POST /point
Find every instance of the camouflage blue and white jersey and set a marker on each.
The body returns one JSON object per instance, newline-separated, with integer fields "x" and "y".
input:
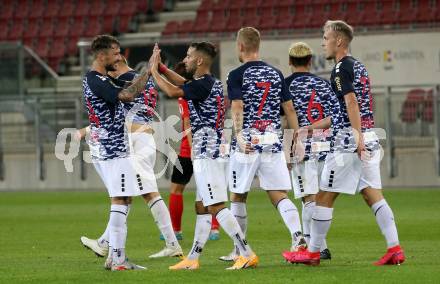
{"x": 262, "y": 89}
{"x": 350, "y": 76}
{"x": 106, "y": 116}
{"x": 207, "y": 116}
{"x": 144, "y": 104}
{"x": 314, "y": 99}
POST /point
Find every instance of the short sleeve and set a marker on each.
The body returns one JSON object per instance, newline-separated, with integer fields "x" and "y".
{"x": 328, "y": 99}
{"x": 183, "y": 108}
{"x": 343, "y": 81}
{"x": 234, "y": 83}
{"x": 197, "y": 90}
{"x": 285, "y": 94}
{"x": 103, "y": 87}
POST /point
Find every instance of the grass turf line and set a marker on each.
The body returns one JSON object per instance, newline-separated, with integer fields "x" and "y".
{"x": 40, "y": 242}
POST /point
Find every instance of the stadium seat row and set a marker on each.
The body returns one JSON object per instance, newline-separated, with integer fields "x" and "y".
{"x": 230, "y": 15}
{"x": 418, "y": 104}
{"x": 45, "y": 25}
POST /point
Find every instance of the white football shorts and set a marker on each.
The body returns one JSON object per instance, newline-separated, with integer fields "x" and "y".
{"x": 271, "y": 169}
{"x": 306, "y": 177}
{"x": 341, "y": 173}
{"x": 210, "y": 176}
{"x": 119, "y": 177}
{"x": 143, "y": 158}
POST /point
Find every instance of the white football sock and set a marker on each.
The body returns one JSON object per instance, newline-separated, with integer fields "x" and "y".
{"x": 162, "y": 218}
{"x": 238, "y": 209}
{"x": 103, "y": 239}
{"x": 306, "y": 215}
{"x": 385, "y": 220}
{"x": 201, "y": 235}
{"x": 290, "y": 216}
{"x": 321, "y": 221}
{"x": 118, "y": 232}
{"x": 232, "y": 228}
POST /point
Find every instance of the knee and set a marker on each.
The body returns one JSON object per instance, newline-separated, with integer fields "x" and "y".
{"x": 214, "y": 209}
{"x": 199, "y": 208}
{"x": 235, "y": 197}
{"x": 149, "y": 196}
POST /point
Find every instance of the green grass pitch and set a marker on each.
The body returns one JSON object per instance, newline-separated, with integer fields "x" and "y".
{"x": 40, "y": 242}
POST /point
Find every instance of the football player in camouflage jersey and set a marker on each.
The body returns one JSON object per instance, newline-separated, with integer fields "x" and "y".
{"x": 314, "y": 100}
{"x": 257, "y": 92}
{"x": 108, "y": 142}
{"x": 345, "y": 171}
{"x": 140, "y": 114}
{"x": 204, "y": 95}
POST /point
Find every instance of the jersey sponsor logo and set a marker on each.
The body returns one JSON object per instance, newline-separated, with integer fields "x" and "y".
{"x": 338, "y": 83}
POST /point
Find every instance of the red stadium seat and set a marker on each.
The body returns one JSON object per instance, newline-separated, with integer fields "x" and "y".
{"x": 52, "y": 9}
{"x": 4, "y": 29}
{"x": 252, "y": 4}
{"x": 47, "y": 28}
{"x": 57, "y": 49}
{"x": 108, "y": 24}
{"x": 428, "y": 108}
{"x": 235, "y": 20}
{"x": 268, "y": 22}
{"x": 285, "y": 19}
{"x": 171, "y": 28}
{"x": 202, "y": 22}
{"x": 32, "y": 29}
{"x": 67, "y": 9}
{"x": 37, "y": 10}
{"x": 426, "y": 12}
{"x": 251, "y": 21}
{"x": 218, "y": 21}
{"x": 237, "y": 4}
{"x": 17, "y": 29}
{"x": 158, "y": 5}
{"x": 407, "y": 13}
{"x": 97, "y": 8}
{"x": 123, "y": 24}
{"x": 62, "y": 28}
{"x": 41, "y": 47}
{"x": 287, "y": 3}
{"x": 22, "y": 11}
{"x": 81, "y": 9}
{"x": 371, "y": 16}
{"x": 302, "y": 16}
{"x": 206, "y": 5}
{"x": 72, "y": 47}
{"x": 411, "y": 107}
{"x": 129, "y": 8}
{"x": 220, "y": 5}
{"x": 7, "y": 12}
{"x": 94, "y": 27}
{"x": 142, "y": 6}
{"x": 388, "y": 13}
{"x": 54, "y": 63}
{"x": 29, "y": 42}
{"x": 185, "y": 28}
{"x": 112, "y": 8}
{"x": 78, "y": 26}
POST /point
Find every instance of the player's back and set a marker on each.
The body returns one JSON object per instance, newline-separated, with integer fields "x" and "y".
{"x": 261, "y": 87}
{"x": 313, "y": 99}
{"x": 350, "y": 74}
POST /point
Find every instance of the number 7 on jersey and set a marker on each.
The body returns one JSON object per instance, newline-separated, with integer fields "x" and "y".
{"x": 266, "y": 86}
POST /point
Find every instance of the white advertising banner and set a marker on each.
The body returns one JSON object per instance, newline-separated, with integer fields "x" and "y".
{"x": 391, "y": 59}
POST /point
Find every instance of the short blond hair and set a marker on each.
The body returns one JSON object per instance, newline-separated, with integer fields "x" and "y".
{"x": 340, "y": 27}
{"x": 250, "y": 38}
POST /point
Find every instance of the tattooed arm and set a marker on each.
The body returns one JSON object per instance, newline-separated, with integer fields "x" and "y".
{"x": 237, "y": 118}
{"x": 130, "y": 93}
